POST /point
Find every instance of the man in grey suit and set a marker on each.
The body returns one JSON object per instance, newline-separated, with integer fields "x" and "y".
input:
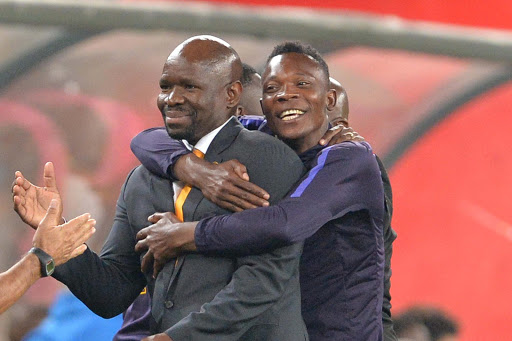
{"x": 196, "y": 297}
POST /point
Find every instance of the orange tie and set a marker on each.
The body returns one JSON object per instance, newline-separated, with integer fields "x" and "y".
{"x": 178, "y": 205}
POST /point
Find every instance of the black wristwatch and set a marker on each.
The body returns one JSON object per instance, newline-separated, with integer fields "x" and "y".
{"x": 47, "y": 263}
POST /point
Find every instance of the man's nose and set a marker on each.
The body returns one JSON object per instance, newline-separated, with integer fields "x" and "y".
{"x": 286, "y": 93}
{"x": 175, "y": 97}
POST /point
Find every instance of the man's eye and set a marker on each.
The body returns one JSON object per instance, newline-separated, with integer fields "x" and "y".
{"x": 302, "y": 83}
{"x": 165, "y": 86}
{"x": 190, "y": 86}
{"x": 270, "y": 88}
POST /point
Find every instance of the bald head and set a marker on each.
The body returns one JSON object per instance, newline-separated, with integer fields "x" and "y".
{"x": 200, "y": 87}
{"x": 212, "y": 52}
{"x": 339, "y": 113}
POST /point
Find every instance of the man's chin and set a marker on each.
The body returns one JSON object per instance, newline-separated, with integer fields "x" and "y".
{"x": 179, "y": 134}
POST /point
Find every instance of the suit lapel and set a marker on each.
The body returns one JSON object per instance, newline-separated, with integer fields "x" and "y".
{"x": 162, "y": 194}
{"x": 220, "y": 143}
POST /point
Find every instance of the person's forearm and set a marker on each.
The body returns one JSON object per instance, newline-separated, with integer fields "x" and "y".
{"x": 157, "y": 151}
{"x": 16, "y": 281}
{"x": 327, "y": 192}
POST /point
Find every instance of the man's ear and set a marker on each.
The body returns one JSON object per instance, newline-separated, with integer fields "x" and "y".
{"x": 331, "y": 99}
{"x": 239, "y": 111}
{"x": 234, "y": 93}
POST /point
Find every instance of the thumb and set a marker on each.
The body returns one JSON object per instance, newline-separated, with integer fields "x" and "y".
{"x": 49, "y": 176}
{"x": 53, "y": 214}
{"x": 240, "y": 170}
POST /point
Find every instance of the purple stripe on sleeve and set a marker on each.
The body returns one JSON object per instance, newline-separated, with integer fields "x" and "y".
{"x": 312, "y": 173}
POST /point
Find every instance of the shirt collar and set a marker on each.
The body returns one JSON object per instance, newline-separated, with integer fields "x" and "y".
{"x": 309, "y": 155}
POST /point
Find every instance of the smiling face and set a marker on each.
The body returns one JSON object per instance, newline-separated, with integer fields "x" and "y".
{"x": 199, "y": 89}
{"x": 295, "y": 99}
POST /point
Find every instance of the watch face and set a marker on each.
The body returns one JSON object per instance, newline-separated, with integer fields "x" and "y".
{"x": 50, "y": 267}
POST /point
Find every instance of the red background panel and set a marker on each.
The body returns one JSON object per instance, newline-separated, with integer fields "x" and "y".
{"x": 454, "y": 221}
{"x": 490, "y": 14}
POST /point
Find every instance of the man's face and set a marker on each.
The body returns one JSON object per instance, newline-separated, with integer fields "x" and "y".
{"x": 192, "y": 99}
{"x": 295, "y": 99}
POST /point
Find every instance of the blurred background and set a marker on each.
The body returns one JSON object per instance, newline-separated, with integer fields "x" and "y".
{"x": 429, "y": 86}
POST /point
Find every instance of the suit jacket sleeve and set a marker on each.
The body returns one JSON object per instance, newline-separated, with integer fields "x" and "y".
{"x": 346, "y": 178}
{"x": 109, "y": 283}
{"x": 259, "y": 281}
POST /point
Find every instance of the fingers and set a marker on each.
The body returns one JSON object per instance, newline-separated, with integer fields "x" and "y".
{"x": 155, "y": 217}
{"x": 327, "y": 137}
{"x": 157, "y": 267}
{"x": 18, "y": 187}
{"x": 228, "y": 206}
{"x": 253, "y": 193}
{"x": 172, "y": 217}
{"x": 85, "y": 231}
{"x": 19, "y": 205}
{"x": 52, "y": 216}
{"x": 142, "y": 245}
{"x": 49, "y": 176}
{"x": 78, "y": 251}
{"x": 238, "y": 204}
{"x": 142, "y": 234}
{"x": 77, "y": 222}
{"x": 147, "y": 261}
{"x": 240, "y": 170}
{"x": 21, "y": 181}
{"x": 343, "y": 137}
{"x": 81, "y": 228}
{"x": 338, "y": 134}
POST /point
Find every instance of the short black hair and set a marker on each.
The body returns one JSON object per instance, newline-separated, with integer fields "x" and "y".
{"x": 247, "y": 72}
{"x": 301, "y": 48}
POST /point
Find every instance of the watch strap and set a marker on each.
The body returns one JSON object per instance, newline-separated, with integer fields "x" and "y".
{"x": 46, "y": 261}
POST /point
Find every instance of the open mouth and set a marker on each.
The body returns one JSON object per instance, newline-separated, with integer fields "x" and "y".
{"x": 291, "y": 114}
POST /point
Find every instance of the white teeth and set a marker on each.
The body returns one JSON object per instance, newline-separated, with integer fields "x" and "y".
{"x": 290, "y": 117}
{"x": 290, "y": 114}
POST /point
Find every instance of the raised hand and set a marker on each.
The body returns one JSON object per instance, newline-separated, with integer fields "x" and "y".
{"x": 30, "y": 201}
{"x": 339, "y": 133}
{"x": 66, "y": 241}
{"x": 164, "y": 240}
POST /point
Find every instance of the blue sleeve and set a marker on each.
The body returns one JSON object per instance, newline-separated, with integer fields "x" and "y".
{"x": 252, "y": 122}
{"x": 346, "y": 178}
{"x": 157, "y": 151}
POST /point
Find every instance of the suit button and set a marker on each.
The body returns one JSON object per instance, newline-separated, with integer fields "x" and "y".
{"x": 169, "y": 304}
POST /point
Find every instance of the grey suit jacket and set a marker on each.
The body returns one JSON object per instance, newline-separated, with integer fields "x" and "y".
{"x": 200, "y": 297}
